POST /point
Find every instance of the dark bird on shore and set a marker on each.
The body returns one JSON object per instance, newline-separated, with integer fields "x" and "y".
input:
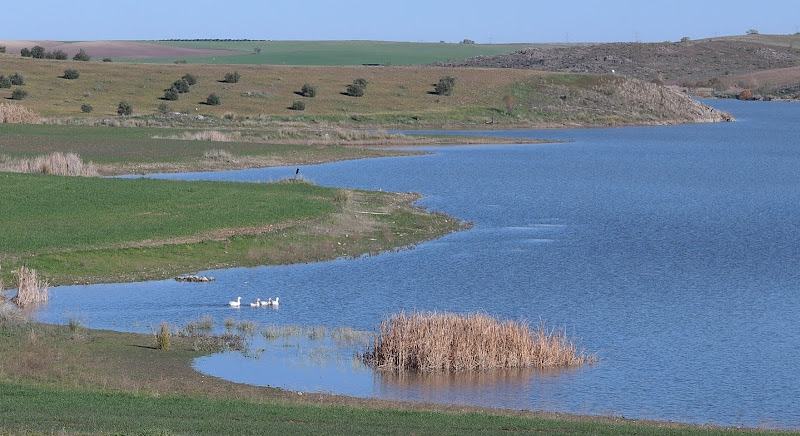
{"x": 297, "y": 172}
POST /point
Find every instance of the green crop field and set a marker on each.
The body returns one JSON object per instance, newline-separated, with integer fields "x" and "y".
{"x": 332, "y": 53}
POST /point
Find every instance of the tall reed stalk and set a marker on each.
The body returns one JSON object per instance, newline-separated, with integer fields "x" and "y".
{"x": 431, "y": 341}
{"x": 32, "y": 289}
{"x": 61, "y": 164}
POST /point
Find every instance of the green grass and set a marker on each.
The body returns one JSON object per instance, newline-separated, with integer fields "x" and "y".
{"x": 44, "y": 213}
{"x": 332, "y": 53}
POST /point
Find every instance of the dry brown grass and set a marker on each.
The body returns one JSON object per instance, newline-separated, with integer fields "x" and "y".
{"x": 61, "y": 164}
{"x": 32, "y": 289}
{"x": 432, "y": 341}
{"x": 17, "y": 114}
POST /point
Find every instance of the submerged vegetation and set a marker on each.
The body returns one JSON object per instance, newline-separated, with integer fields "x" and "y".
{"x": 431, "y": 341}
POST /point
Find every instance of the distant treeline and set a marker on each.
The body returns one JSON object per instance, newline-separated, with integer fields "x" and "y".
{"x": 214, "y": 39}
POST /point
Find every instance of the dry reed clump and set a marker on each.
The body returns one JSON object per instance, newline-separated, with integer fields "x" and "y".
{"x": 32, "y": 289}
{"x": 431, "y": 341}
{"x": 18, "y": 114}
{"x": 163, "y": 336}
{"x": 60, "y": 164}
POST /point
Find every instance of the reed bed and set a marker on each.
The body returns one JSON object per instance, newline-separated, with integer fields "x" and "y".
{"x": 17, "y": 114}
{"x": 432, "y": 341}
{"x": 32, "y": 289}
{"x": 60, "y": 164}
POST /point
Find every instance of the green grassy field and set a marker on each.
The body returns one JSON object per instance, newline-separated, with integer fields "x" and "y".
{"x": 332, "y": 53}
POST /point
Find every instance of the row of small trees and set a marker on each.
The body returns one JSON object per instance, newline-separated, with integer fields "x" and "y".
{"x": 38, "y": 52}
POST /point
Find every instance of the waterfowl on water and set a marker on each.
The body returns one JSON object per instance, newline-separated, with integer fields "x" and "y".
{"x": 269, "y": 302}
{"x": 236, "y": 303}
{"x": 256, "y": 304}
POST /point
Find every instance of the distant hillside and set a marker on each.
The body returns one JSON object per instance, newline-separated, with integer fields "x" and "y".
{"x": 394, "y": 96}
{"x": 701, "y": 63}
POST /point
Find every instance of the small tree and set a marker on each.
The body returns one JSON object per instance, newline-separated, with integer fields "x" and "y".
{"x": 71, "y": 73}
{"x": 108, "y": 60}
{"x": 467, "y": 41}
{"x": 232, "y": 77}
{"x": 25, "y": 52}
{"x": 37, "y": 52}
{"x": 19, "y": 94}
{"x": 257, "y": 50}
{"x": 5, "y": 82}
{"x": 17, "y": 79}
{"x": 125, "y": 108}
{"x": 181, "y": 85}
{"x": 752, "y": 31}
{"x": 81, "y": 56}
{"x": 213, "y": 100}
{"x": 686, "y": 39}
{"x": 60, "y": 55}
{"x": 445, "y": 85}
{"x": 355, "y": 90}
{"x": 308, "y": 90}
{"x": 191, "y": 79}
{"x": 171, "y": 94}
{"x": 299, "y": 105}
{"x": 163, "y": 108}
{"x": 86, "y": 108}
{"x": 362, "y": 82}
{"x": 2, "y": 49}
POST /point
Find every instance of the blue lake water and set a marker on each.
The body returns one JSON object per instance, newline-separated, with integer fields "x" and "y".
{"x": 672, "y": 252}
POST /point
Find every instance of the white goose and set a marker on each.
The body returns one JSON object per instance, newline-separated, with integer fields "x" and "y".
{"x": 270, "y": 302}
{"x": 275, "y": 301}
{"x": 257, "y": 303}
{"x": 236, "y": 303}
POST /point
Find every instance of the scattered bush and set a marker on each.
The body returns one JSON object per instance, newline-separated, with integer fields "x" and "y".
{"x": 752, "y": 31}
{"x": 299, "y": 105}
{"x": 5, "y": 82}
{"x": 191, "y": 79}
{"x": 37, "y": 52}
{"x": 163, "y": 108}
{"x": 124, "y": 108}
{"x": 361, "y": 82}
{"x": 163, "y": 336}
{"x": 232, "y": 77}
{"x": 19, "y": 94}
{"x": 354, "y": 90}
{"x": 171, "y": 94}
{"x": 25, "y": 52}
{"x": 17, "y": 79}
{"x": 308, "y": 90}
{"x": 86, "y": 108}
{"x": 467, "y": 41}
{"x": 746, "y": 94}
{"x": 445, "y": 85}
{"x": 686, "y": 39}
{"x": 180, "y": 85}
{"x": 2, "y": 49}
{"x": 213, "y": 100}
{"x": 71, "y": 73}
{"x": 108, "y": 60}
{"x": 60, "y": 55}
{"x": 81, "y": 56}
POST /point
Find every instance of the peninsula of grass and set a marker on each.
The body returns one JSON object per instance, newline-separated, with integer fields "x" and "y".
{"x": 88, "y": 230}
{"x": 58, "y": 379}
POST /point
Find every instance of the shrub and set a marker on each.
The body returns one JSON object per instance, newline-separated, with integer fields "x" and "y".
{"x": 60, "y": 55}
{"x": 17, "y": 79}
{"x": 181, "y": 85}
{"x": 686, "y": 39}
{"x": 108, "y": 60}
{"x": 5, "y": 82}
{"x": 25, "y": 52}
{"x": 191, "y": 79}
{"x": 746, "y": 94}
{"x": 2, "y": 49}
{"x": 354, "y": 90}
{"x": 308, "y": 90}
{"x": 81, "y": 56}
{"x": 37, "y": 52}
{"x": 71, "y": 73}
{"x": 19, "y": 94}
{"x": 445, "y": 85}
{"x": 163, "y": 336}
{"x": 232, "y": 77}
{"x": 163, "y": 108}
{"x": 299, "y": 105}
{"x": 125, "y": 108}
{"x": 86, "y": 108}
{"x": 361, "y": 82}
{"x": 213, "y": 100}
{"x": 171, "y": 94}
{"x": 467, "y": 41}
{"x": 752, "y": 31}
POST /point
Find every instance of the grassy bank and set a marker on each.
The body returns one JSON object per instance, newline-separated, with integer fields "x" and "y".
{"x": 395, "y": 96}
{"x": 54, "y": 379}
{"x": 86, "y": 230}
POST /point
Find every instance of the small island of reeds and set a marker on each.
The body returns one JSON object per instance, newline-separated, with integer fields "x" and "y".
{"x": 433, "y": 341}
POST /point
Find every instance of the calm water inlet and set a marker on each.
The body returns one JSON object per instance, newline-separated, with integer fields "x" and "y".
{"x": 672, "y": 252}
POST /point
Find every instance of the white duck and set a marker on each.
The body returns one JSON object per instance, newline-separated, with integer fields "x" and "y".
{"x": 236, "y": 303}
{"x": 266, "y": 302}
{"x": 257, "y": 303}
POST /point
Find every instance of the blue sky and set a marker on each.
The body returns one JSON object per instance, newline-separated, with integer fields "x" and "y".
{"x": 485, "y": 21}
